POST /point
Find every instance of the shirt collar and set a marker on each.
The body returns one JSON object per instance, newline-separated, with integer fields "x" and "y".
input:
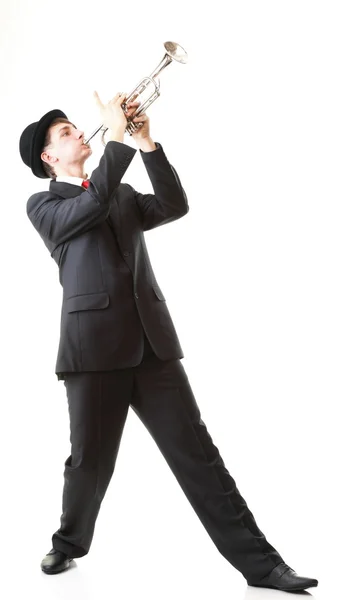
{"x": 69, "y": 179}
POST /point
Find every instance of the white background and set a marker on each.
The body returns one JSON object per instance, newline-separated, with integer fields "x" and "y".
{"x": 249, "y": 276}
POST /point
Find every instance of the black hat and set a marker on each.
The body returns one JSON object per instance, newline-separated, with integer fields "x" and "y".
{"x": 32, "y": 141}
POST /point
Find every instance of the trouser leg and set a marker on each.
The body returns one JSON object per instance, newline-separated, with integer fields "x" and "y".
{"x": 98, "y": 406}
{"x": 164, "y": 401}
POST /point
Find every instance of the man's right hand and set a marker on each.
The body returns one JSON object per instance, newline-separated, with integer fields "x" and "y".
{"x": 113, "y": 116}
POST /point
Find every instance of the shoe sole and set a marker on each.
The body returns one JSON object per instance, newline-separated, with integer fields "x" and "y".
{"x": 281, "y": 589}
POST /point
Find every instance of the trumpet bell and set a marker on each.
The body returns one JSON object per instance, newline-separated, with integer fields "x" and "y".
{"x": 176, "y": 52}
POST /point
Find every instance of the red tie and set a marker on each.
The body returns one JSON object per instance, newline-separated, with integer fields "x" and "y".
{"x": 85, "y": 183}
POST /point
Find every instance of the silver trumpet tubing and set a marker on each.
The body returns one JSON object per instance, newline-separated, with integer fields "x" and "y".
{"x": 174, "y": 52}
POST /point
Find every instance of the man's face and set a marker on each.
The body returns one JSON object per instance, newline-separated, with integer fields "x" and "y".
{"x": 66, "y": 148}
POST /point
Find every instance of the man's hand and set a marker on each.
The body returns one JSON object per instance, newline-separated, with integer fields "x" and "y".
{"x": 113, "y": 116}
{"x": 142, "y": 134}
{"x": 131, "y": 108}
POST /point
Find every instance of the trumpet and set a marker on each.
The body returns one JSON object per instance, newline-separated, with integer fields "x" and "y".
{"x": 174, "y": 52}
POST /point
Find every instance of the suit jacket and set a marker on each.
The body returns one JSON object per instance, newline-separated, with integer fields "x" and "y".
{"x": 96, "y": 236}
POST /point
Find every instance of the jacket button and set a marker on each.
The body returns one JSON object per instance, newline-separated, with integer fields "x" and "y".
{"x": 126, "y": 253}
{"x": 136, "y": 295}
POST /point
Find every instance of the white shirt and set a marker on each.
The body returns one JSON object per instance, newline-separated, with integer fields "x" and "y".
{"x": 69, "y": 179}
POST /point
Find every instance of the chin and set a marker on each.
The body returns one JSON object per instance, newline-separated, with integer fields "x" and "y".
{"x": 87, "y": 149}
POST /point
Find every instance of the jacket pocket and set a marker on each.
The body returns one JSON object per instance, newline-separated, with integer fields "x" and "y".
{"x": 158, "y": 293}
{"x": 87, "y": 302}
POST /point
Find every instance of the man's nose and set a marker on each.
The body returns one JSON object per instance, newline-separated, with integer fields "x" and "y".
{"x": 80, "y": 133}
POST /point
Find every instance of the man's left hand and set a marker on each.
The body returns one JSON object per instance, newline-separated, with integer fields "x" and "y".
{"x": 142, "y": 134}
{"x": 142, "y": 120}
{"x": 144, "y": 127}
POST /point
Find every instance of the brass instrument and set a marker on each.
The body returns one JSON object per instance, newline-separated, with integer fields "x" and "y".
{"x": 173, "y": 52}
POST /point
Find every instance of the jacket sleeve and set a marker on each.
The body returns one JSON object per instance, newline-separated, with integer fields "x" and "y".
{"x": 60, "y": 219}
{"x": 168, "y": 202}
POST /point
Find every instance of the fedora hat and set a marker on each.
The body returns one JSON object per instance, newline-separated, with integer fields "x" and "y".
{"x": 32, "y": 141}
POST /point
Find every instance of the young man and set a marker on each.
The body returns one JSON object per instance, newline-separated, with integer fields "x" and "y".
{"x": 118, "y": 346}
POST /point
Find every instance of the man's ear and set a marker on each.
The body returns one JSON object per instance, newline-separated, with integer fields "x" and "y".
{"x": 48, "y": 158}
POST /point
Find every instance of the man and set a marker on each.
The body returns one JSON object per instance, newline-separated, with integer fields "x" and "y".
{"x": 118, "y": 346}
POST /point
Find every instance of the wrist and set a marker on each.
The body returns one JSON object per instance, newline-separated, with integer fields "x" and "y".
{"x": 116, "y": 135}
{"x": 146, "y": 144}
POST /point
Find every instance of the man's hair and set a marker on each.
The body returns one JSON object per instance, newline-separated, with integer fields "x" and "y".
{"x": 48, "y": 169}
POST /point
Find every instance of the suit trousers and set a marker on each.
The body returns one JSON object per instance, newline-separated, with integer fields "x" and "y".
{"x": 160, "y": 394}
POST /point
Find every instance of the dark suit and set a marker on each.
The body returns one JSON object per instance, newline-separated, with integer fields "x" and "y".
{"x": 112, "y": 304}
{"x": 110, "y": 292}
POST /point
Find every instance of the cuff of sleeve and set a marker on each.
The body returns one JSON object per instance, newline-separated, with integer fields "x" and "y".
{"x": 121, "y": 146}
{"x": 158, "y": 146}
{"x": 157, "y": 155}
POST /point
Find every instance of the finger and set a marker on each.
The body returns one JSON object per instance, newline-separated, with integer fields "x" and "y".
{"x": 129, "y": 104}
{"x": 142, "y": 117}
{"x": 131, "y": 110}
{"x": 115, "y": 98}
{"x": 139, "y": 126}
{"x": 132, "y": 105}
{"x": 130, "y": 113}
{"x": 97, "y": 99}
{"x": 121, "y": 98}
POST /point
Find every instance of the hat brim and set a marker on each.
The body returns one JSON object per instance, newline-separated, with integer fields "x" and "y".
{"x": 39, "y": 138}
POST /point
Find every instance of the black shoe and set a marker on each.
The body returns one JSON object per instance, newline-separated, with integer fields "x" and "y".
{"x": 55, "y": 562}
{"x": 282, "y": 577}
